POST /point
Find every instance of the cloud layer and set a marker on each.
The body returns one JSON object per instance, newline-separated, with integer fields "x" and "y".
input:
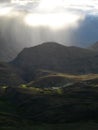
{"x": 78, "y": 24}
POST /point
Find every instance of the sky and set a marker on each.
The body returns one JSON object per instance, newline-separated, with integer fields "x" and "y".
{"x": 26, "y": 23}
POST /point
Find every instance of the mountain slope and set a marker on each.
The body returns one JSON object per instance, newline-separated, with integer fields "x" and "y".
{"x": 94, "y": 46}
{"x": 56, "y": 57}
{"x": 73, "y": 103}
{"x": 8, "y": 49}
{"x": 9, "y": 76}
{"x": 58, "y": 80}
{"x": 48, "y": 59}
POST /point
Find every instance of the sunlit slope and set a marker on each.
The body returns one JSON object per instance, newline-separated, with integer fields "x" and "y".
{"x": 48, "y": 79}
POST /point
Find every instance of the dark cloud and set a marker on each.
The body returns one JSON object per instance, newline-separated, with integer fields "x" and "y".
{"x": 87, "y": 31}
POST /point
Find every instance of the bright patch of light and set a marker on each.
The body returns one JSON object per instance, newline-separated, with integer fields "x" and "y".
{"x": 52, "y": 20}
{"x": 21, "y": 2}
{"x": 5, "y": 11}
{"x": 54, "y": 14}
{"x": 50, "y": 4}
{"x": 80, "y": 2}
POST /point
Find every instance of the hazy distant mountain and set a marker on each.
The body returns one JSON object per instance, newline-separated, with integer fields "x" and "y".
{"x": 8, "y": 50}
{"x": 9, "y": 76}
{"x": 56, "y": 57}
{"x": 94, "y": 46}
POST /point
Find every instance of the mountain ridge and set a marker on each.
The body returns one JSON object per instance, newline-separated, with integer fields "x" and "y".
{"x": 35, "y": 89}
{"x": 55, "y": 57}
{"x": 94, "y": 46}
{"x": 50, "y": 56}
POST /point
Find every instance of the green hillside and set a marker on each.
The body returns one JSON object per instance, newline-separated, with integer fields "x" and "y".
{"x": 73, "y": 107}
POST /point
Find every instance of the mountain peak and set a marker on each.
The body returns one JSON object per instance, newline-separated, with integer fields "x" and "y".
{"x": 51, "y": 44}
{"x": 52, "y": 56}
{"x": 46, "y": 47}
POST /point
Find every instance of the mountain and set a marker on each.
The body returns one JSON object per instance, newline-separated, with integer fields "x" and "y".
{"x": 45, "y": 85}
{"x": 7, "y": 51}
{"x": 48, "y": 59}
{"x": 8, "y": 48}
{"x": 55, "y": 57}
{"x": 94, "y": 46}
{"x": 9, "y": 76}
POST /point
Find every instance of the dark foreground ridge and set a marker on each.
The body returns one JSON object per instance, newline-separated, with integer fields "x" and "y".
{"x": 74, "y": 103}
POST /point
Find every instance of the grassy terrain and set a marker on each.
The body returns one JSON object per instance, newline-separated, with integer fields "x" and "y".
{"x": 73, "y": 107}
{"x": 54, "y": 79}
{"x": 68, "y": 126}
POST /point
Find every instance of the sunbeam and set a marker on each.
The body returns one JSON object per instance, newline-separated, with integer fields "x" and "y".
{"x": 52, "y": 20}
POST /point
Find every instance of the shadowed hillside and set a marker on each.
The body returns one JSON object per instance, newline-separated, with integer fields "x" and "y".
{"x": 50, "y": 86}
{"x": 49, "y": 57}
{"x": 9, "y": 76}
{"x": 77, "y": 102}
{"x": 94, "y": 46}
{"x": 56, "y": 57}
